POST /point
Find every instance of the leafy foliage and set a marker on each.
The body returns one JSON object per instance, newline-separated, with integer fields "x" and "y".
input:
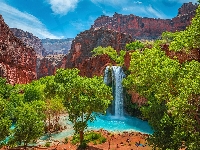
{"x": 82, "y": 97}
{"x": 173, "y": 97}
{"x": 187, "y": 39}
{"x": 29, "y": 125}
{"x": 134, "y": 45}
{"x": 5, "y": 122}
{"x": 90, "y": 136}
{"x": 117, "y": 57}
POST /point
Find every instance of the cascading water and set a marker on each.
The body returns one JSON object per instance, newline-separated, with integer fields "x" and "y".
{"x": 114, "y": 75}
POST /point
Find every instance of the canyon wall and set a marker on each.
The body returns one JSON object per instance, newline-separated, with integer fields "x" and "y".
{"x": 29, "y": 40}
{"x": 147, "y": 28}
{"x": 48, "y": 65}
{"x": 57, "y": 46}
{"x": 17, "y": 62}
{"x": 80, "y": 55}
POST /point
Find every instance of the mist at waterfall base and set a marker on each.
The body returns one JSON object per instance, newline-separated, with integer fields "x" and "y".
{"x": 115, "y": 118}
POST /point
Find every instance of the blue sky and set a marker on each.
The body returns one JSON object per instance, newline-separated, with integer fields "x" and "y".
{"x": 66, "y": 18}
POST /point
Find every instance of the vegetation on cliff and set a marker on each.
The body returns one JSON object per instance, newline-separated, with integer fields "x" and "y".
{"x": 171, "y": 88}
{"x": 111, "y": 52}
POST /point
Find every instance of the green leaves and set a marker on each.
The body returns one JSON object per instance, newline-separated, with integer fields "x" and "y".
{"x": 117, "y": 57}
{"x": 137, "y": 45}
{"x": 187, "y": 39}
{"x": 5, "y": 122}
{"x": 173, "y": 95}
{"x": 29, "y": 125}
{"x": 81, "y": 96}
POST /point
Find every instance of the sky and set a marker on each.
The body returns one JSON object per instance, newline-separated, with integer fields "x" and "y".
{"x": 58, "y": 19}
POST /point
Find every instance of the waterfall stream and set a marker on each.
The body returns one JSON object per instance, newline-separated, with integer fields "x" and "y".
{"x": 114, "y": 75}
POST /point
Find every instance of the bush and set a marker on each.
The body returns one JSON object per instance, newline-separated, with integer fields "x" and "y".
{"x": 47, "y": 144}
{"x": 134, "y": 45}
{"x": 102, "y": 140}
{"x": 66, "y": 140}
{"x": 89, "y": 137}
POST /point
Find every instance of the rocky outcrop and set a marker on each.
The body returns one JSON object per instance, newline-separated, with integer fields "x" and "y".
{"x": 48, "y": 65}
{"x": 29, "y": 40}
{"x": 182, "y": 56}
{"x": 57, "y": 46}
{"x": 95, "y": 66}
{"x": 86, "y": 41}
{"x": 147, "y": 28}
{"x": 17, "y": 62}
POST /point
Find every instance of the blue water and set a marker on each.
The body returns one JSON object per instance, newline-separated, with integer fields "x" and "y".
{"x": 125, "y": 123}
{"x": 111, "y": 124}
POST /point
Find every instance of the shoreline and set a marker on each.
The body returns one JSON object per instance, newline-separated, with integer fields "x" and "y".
{"x": 115, "y": 141}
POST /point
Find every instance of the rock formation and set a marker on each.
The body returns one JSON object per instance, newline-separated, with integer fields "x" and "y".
{"x": 48, "y": 65}
{"x": 85, "y": 42}
{"x": 57, "y": 46}
{"x": 30, "y": 40}
{"x": 17, "y": 62}
{"x": 147, "y": 28}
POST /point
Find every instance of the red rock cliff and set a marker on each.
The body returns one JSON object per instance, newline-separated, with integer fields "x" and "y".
{"x": 85, "y": 42}
{"x": 30, "y": 40}
{"x": 147, "y": 28}
{"x": 17, "y": 62}
{"x": 48, "y": 65}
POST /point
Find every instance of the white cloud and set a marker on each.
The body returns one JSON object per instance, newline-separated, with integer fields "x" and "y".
{"x": 25, "y": 21}
{"x": 62, "y": 7}
{"x": 155, "y": 13}
{"x": 78, "y": 25}
{"x": 137, "y": 2}
{"x": 110, "y": 2}
{"x": 81, "y": 25}
{"x": 147, "y": 11}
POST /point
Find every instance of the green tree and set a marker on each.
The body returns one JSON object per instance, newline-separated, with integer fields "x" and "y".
{"x": 34, "y": 91}
{"x": 111, "y": 52}
{"x": 83, "y": 97}
{"x": 29, "y": 125}
{"x": 172, "y": 92}
{"x": 54, "y": 107}
{"x": 134, "y": 45}
{"x": 189, "y": 38}
{"x": 5, "y": 122}
{"x": 152, "y": 73}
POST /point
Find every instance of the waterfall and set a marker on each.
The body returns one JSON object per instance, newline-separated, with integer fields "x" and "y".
{"x": 114, "y": 75}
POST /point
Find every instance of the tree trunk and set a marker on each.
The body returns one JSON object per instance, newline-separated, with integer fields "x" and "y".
{"x": 81, "y": 137}
{"x": 25, "y": 145}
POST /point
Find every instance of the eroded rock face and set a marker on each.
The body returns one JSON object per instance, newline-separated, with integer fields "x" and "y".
{"x": 85, "y": 42}
{"x": 147, "y": 28}
{"x": 182, "y": 56}
{"x": 57, "y": 46}
{"x": 48, "y": 65}
{"x": 29, "y": 40}
{"x": 17, "y": 62}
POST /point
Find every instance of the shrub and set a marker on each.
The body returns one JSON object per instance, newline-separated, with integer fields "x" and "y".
{"x": 47, "y": 144}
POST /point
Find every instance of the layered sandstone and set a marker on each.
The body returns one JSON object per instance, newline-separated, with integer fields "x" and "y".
{"x": 48, "y": 65}
{"x": 147, "y": 28}
{"x": 17, "y": 62}
{"x": 29, "y": 40}
{"x": 80, "y": 53}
